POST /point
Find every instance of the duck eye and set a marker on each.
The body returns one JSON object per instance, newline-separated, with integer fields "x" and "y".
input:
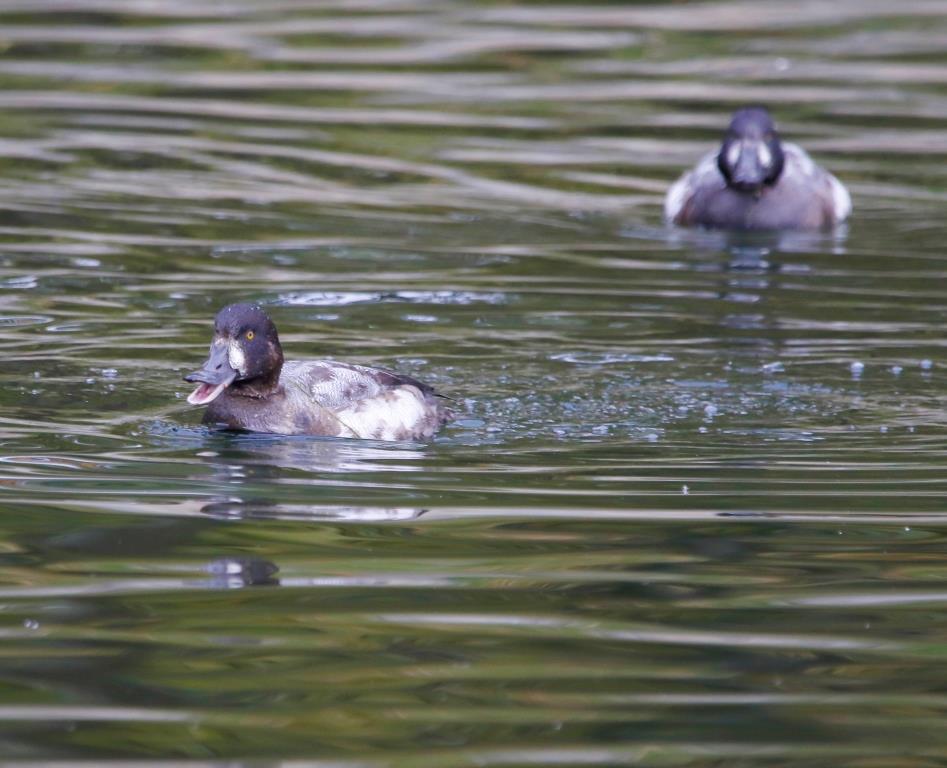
{"x": 250, "y": 335}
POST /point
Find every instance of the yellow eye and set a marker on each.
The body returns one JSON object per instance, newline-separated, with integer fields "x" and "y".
{"x": 249, "y": 335}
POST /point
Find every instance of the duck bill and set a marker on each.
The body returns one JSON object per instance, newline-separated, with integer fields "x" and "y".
{"x": 213, "y": 378}
{"x": 749, "y": 174}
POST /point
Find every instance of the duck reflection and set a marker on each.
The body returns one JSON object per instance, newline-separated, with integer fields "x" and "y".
{"x": 266, "y": 476}
{"x": 275, "y": 453}
{"x": 751, "y": 265}
{"x": 239, "y": 572}
{"x": 745, "y": 272}
{"x": 236, "y": 508}
{"x": 756, "y": 250}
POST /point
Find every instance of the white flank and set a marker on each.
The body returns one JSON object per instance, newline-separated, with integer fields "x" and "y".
{"x": 676, "y": 197}
{"x": 386, "y": 416}
{"x": 841, "y": 200}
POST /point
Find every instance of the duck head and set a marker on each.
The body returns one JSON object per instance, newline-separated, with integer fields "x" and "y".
{"x": 751, "y": 156}
{"x": 245, "y": 355}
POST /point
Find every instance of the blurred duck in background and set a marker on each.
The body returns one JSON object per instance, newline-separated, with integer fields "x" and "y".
{"x": 756, "y": 181}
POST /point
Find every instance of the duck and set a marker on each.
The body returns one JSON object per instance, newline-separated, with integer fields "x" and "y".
{"x": 757, "y": 181}
{"x": 246, "y": 385}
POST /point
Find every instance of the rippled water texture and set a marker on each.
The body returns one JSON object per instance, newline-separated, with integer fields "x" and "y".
{"x": 694, "y": 512}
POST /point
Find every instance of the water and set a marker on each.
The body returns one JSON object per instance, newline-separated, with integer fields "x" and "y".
{"x": 694, "y": 511}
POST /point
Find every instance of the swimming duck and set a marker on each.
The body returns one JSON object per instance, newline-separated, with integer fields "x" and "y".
{"x": 755, "y": 181}
{"x": 246, "y": 385}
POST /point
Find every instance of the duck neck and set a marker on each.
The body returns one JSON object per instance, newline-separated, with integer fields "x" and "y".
{"x": 258, "y": 387}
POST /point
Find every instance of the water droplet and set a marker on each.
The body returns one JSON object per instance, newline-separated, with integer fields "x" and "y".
{"x": 857, "y": 368}
{"x": 926, "y": 364}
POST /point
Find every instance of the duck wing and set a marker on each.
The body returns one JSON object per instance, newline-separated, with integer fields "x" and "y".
{"x": 702, "y": 179}
{"x": 337, "y": 385}
{"x": 803, "y": 171}
{"x": 368, "y": 402}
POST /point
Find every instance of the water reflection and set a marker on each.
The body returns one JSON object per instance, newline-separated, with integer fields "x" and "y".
{"x": 231, "y": 573}
{"x": 223, "y": 573}
{"x": 260, "y": 476}
{"x": 259, "y": 456}
{"x": 235, "y": 507}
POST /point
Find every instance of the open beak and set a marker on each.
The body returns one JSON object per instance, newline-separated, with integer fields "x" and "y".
{"x": 749, "y": 174}
{"x": 213, "y": 378}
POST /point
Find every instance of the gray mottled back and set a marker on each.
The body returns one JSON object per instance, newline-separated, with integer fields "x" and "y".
{"x": 338, "y": 385}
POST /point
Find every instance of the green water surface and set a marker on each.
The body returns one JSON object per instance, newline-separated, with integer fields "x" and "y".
{"x": 694, "y": 510}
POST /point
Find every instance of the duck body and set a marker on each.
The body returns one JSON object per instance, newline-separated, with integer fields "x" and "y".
{"x": 756, "y": 181}
{"x": 246, "y": 385}
{"x": 334, "y": 399}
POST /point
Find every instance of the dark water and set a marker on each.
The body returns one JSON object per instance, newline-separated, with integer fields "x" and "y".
{"x": 695, "y": 513}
